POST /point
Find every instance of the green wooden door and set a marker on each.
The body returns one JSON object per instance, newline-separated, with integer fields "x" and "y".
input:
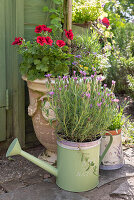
{"x": 2, "y": 75}
{"x": 11, "y": 86}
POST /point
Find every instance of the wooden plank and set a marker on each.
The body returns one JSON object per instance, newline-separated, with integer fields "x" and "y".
{"x": 9, "y": 63}
{"x": 18, "y": 84}
{"x": 2, "y": 73}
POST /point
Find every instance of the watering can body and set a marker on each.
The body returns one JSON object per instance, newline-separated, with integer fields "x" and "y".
{"x": 77, "y": 163}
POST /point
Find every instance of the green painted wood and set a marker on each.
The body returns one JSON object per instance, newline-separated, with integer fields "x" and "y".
{"x": 18, "y": 84}
{"x": 9, "y": 64}
{"x": 2, "y": 73}
{"x": 34, "y": 15}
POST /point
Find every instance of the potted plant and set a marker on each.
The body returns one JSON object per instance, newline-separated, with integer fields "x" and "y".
{"x": 83, "y": 110}
{"x": 114, "y": 158}
{"x": 42, "y": 58}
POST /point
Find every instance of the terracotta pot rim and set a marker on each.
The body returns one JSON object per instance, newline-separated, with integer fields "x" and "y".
{"x": 40, "y": 81}
{"x": 113, "y": 132}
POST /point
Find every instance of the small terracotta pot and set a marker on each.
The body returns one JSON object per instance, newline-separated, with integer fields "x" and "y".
{"x": 44, "y": 132}
{"x": 114, "y": 157}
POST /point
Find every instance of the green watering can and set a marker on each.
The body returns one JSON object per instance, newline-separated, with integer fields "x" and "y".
{"x": 77, "y": 163}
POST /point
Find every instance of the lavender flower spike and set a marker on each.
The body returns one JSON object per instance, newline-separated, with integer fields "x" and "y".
{"x": 113, "y": 82}
{"x": 105, "y": 85}
{"x": 99, "y": 78}
{"x": 81, "y": 72}
{"x": 48, "y": 75}
{"x": 92, "y": 76}
{"x": 75, "y": 78}
{"x": 88, "y": 95}
{"x": 51, "y": 93}
{"x": 99, "y": 104}
{"x": 65, "y": 77}
{"x": 78, "y": 56}
{"x": 84, "y": 73}
{"x": 74, "y": 73}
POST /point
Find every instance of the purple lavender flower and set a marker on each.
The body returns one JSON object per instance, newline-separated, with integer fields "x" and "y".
{"x": 99, "y": 78}
{"x": 74, "y": 63}
{"x": 81, "y": 72}
{"x": 92, "y": 76}
{"x": 84, "y": 79}
{"x": 51, "y": 93}
{"x": 84, "y": 73}
{"x": 65, "y": 77}
{"x": 75, "y": 78}
{"x": 48, "y": 75}
{"x": 88, "y": 95}
{"x": 59, "y": 78}
{"x": 98, "y": 93}
{"x": 105, "y": 85}
{"x": 103, "y": 5}
{"x": 74, "y": 73}
{"x": 78, "y": 56}
{"x": 99, "y": 104}
{"x": 108, "y": 94}
{"x": 94, "y": 53}
{"x": 65, "y": 86}
{"x": 115, "y": 100}
{"x": 103, "y": 100}
{"x": 91, "y": 105}
{"x": 113, "y": 82}
{"x": 60, "y": 89}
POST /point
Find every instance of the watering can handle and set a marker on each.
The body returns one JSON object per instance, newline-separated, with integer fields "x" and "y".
{"x": 106, "y": 149}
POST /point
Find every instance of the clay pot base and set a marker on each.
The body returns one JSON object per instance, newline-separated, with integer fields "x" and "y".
{"x": 48, "y": 156}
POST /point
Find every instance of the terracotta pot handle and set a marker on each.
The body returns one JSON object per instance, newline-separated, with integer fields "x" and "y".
{"x": 32, "y": 108}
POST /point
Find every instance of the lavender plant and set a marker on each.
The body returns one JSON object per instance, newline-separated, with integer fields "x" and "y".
{"x": 83, "y": 108}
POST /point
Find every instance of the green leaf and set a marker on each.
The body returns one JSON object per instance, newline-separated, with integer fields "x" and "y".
{"x": 36, "y": 62}
{"x": 45, "y": 60}
{"x": 55, "y": 20}
{"x": 57, "y": 2}
{"x": 41, "y": 67}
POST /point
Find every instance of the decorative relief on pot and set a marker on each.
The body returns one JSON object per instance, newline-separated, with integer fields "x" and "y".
{"x": 48, "y": 113}
{"x": 32, "y": 108}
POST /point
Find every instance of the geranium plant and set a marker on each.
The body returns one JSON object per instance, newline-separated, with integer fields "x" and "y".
{"x": 44, "y": 55}
{"x": 83, "y": 108}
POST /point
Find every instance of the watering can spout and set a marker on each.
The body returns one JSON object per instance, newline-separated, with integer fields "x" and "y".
{"x": 15, "y": 149}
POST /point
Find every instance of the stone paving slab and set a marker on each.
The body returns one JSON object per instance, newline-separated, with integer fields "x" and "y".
{"x": 126, "y": 188}
{"x": 41, "y": 191}
{"x": 126, "y": 171}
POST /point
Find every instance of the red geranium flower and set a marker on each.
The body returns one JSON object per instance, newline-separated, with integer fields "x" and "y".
{"x": 17, "y": 41}
{"x": 49, "y": 30}
{"x": 38, "y": 29}
{"x": 48, "y": 40}
{"x": 43, "y": 27}
{"x": 41, "y": 40}
{"x": 69, "y": 34}
{"x": 60, "y": 43}
{"x": 105, "y": 22}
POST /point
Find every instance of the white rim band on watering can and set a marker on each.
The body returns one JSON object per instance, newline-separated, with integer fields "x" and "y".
{"x": 77, "y": 145}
